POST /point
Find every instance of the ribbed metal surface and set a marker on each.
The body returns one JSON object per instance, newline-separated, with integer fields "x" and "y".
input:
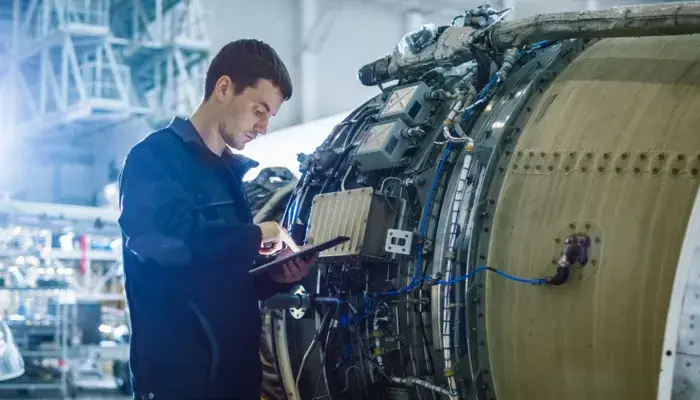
{"x": 340, "y": 214}
{"x": 347, "y": 214}
{"x": 623, "y": 119}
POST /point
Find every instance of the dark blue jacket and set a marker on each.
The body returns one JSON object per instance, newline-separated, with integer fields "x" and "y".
{"x": 189, "y": 241}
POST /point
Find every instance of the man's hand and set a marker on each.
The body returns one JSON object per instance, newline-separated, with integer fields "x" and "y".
{"x": 293, "y": 270}
{"x": 269, "y": 248}
{"x": 274, "y": 237}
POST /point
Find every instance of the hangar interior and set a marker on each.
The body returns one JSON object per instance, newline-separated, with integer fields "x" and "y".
{"x": 516, "y": 179}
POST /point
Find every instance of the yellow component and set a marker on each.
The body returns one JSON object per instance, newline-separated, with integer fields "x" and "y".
{"x": 469, "y": 148}
{"x": 377, "y": 351}
{"x": 448, "y": 372}
{"x": 377, "y": 333}
{"x": 447, "y": 122}
{"x": 599, "y": 336}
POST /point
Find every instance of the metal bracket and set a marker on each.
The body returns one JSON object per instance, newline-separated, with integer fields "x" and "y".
{"x": 398, "y": 241}
{"x": 298, "y": 313}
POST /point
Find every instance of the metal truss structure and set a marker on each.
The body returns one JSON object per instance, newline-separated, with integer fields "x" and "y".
{"x": 83, "y": 65}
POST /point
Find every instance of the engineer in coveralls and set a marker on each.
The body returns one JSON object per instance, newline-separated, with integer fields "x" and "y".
{"x": 189, "y": 237}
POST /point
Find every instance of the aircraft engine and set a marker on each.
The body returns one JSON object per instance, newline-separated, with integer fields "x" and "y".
{"x": 520, "y": 198}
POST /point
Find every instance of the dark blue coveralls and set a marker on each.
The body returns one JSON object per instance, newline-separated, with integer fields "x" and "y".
{"x": 189, "y": 241}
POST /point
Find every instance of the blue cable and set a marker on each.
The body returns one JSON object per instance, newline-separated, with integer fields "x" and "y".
{"x": 369, "y": 305}
{"x": 535, "y": 46}
{"x": 534, "y": 281}
{"x": 540, "y": 45}
{"x": 423, "y": 226}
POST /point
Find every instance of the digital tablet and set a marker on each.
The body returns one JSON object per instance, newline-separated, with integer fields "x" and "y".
{"x": 304, "y": 254}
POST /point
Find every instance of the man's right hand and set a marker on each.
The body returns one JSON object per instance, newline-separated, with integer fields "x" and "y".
{"x": 271, "y": 231}
{"x": 273, "y": 237}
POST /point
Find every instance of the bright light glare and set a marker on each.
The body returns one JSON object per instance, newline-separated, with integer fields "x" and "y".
{"x": 280, "y": 148}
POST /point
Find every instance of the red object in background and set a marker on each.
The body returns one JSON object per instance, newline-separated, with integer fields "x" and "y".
{"x": 83, "y": 254}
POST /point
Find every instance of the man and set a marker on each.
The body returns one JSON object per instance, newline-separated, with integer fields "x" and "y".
{"x": 189, "y": 238}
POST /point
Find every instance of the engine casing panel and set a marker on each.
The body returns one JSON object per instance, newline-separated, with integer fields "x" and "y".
{"x": 612, "y": 149}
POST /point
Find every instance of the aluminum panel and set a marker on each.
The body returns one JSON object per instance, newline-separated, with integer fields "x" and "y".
{"x": 349, "y": 213}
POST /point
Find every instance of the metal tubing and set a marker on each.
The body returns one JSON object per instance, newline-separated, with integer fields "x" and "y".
{"x": 630, "y": 21}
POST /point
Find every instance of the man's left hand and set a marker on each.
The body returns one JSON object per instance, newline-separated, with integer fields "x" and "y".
{"x": 293, "y": 270}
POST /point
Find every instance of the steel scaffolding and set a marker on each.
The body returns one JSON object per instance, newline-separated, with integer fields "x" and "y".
{"x": 73, "y": 65}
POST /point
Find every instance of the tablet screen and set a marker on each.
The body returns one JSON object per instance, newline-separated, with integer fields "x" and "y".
{"x": 306, "y": 253}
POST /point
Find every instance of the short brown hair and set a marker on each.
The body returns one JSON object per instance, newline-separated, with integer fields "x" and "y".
{"x": 245, "y": 61}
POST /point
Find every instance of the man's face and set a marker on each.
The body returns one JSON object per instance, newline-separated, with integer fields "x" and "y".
{"x": 246, "y": 115}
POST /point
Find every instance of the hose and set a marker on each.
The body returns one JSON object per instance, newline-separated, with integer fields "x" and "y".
{"x": 419, "y": 382}
{"x": 310, "y": 349}
{"x": 629, "y": 21}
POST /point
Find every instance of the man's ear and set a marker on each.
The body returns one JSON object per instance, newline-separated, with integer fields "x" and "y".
{"x": 223, "y": 88}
